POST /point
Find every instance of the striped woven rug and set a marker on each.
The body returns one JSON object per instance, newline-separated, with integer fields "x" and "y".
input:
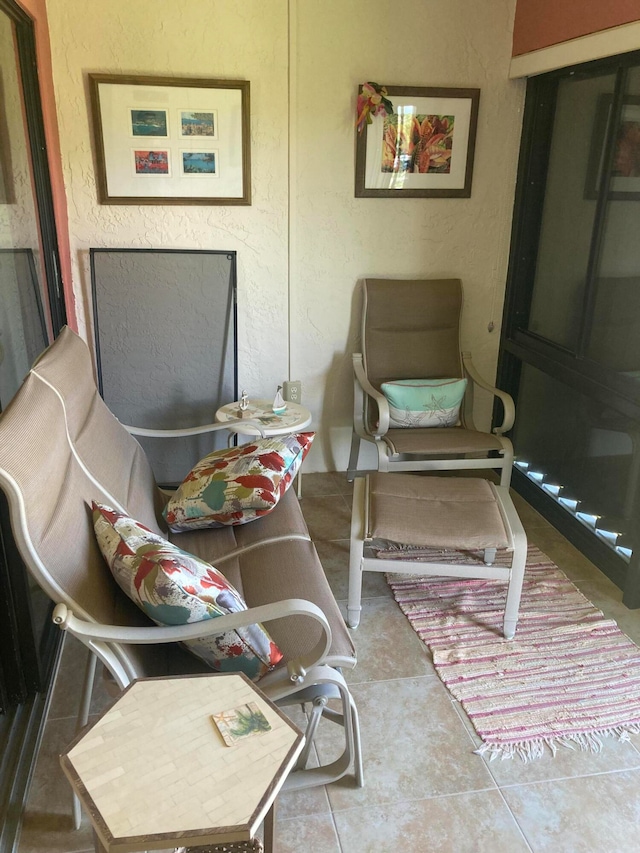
{"x": 569, "y": 678}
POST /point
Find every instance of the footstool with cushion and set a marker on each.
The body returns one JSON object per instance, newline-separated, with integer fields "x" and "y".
{"x": 457, "y": 514}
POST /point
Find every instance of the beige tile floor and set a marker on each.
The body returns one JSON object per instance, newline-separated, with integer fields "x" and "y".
{"x": 426, "y": 791}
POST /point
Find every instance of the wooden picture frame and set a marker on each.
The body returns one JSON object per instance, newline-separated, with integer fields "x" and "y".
{"x": 171, "y": 140}
{"x": 424, "y": 149}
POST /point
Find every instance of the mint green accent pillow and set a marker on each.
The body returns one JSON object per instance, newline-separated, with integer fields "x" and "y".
{"x": 424, "y": 402}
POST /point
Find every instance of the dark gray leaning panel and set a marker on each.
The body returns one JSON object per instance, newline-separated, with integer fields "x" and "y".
{"x": 165, "y": 332}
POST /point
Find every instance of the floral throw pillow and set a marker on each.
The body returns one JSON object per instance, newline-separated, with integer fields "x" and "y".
{"x": 237, "y": 485}
{"x": 424, "y": 402}
{"x": 175, "y": 588}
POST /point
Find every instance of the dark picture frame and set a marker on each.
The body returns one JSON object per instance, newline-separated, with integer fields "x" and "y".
{"x": 144, "y": 128}
{"x": 425, "y": 149}
{"x": 624, "y": 182}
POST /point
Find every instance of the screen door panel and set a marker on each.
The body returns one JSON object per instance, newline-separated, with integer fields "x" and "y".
{"x": 166, "y": 345}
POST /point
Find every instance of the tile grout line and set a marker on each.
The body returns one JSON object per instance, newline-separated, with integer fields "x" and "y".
{"x": 502, "y": 788}
{"x": 613, "y": 772}
{"x": 399, "y": 678}
{"x": 335, "y": 827}
{"x": 515, "y": 820}
{"x": 457, "y": 707}
{"x": 391, "y": 803}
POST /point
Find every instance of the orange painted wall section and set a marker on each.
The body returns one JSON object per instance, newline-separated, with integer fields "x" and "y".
{"x": 36, "y": 9}
{"x": 541, "y": 23}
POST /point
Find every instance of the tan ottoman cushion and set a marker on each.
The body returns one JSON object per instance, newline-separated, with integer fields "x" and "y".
{"x": 435, "y": 512}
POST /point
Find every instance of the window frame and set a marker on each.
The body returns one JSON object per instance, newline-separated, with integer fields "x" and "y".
{"x": 518, "y": 345}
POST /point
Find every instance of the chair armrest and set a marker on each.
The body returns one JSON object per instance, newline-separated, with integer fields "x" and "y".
{"x": 506, "y": 399}
{"x": 94, "y": 631}
{"x": 362, "y": 382}
{"x": 196, "y": 430}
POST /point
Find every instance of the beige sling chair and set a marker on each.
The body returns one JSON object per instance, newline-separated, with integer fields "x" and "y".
{"x": 411, "y": 331}
{"x": 61, "y": 448}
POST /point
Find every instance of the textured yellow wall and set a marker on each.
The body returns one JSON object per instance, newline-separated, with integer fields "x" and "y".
{"x": 306, "y": 240}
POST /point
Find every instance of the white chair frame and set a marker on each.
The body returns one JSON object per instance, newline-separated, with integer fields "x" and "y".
{"x": 361, "y": 561}
{"x": 364, "y": 394}
{"x": 312, "y": 678}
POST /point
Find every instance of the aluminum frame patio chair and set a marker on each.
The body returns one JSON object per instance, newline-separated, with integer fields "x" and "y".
{"x": 411, "y": 330}
{"x": 61, "y": 449}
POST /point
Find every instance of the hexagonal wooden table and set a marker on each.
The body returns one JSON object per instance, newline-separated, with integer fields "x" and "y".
{"x": 154, "y": 770}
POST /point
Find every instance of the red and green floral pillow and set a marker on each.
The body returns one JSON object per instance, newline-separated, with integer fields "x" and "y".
{"x": 175, "y": 588}
{"x": 237, "y": 485}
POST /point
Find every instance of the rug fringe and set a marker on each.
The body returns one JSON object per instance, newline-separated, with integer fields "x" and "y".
{"x": 570, "y": 679}
{"x": 530, "y": 750}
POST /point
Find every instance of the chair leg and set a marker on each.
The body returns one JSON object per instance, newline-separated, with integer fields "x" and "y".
{"x": 317, "y": 707}
{"x": 515, "y": 585}
{"x": 76, "y": 812}
{"x": 81, "y": 722}
{"x": 505, "y": 476}
{"x": 358, "y": 769}
{"x": 354, "y": 455}
{"x": 507, "y": 466}
{"x": 350, "y": 721}
{"x": 357, "y": 746}
{"x": 383, "y": 456}
{"x": 356, "y": 553}
{"x": 489, "y": 556}
{"x": 330, "y": 682}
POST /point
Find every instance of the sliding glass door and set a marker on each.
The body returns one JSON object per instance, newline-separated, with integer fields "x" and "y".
{"x": 571, "y": 331}
{"x": 31, "y": 314}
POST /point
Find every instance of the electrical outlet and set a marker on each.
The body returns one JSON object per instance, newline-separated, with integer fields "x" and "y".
{"x": 292, "y": 391}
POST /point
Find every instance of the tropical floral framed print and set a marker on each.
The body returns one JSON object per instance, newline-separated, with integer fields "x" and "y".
{"x": 415, "y": 142}
{"x": 166, "y": 140}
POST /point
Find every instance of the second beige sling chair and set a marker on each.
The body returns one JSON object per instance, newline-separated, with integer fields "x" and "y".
{"x": 411, "y": 331}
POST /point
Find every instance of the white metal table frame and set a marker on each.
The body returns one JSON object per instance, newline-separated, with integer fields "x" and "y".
{"x": 295, "y": 418}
